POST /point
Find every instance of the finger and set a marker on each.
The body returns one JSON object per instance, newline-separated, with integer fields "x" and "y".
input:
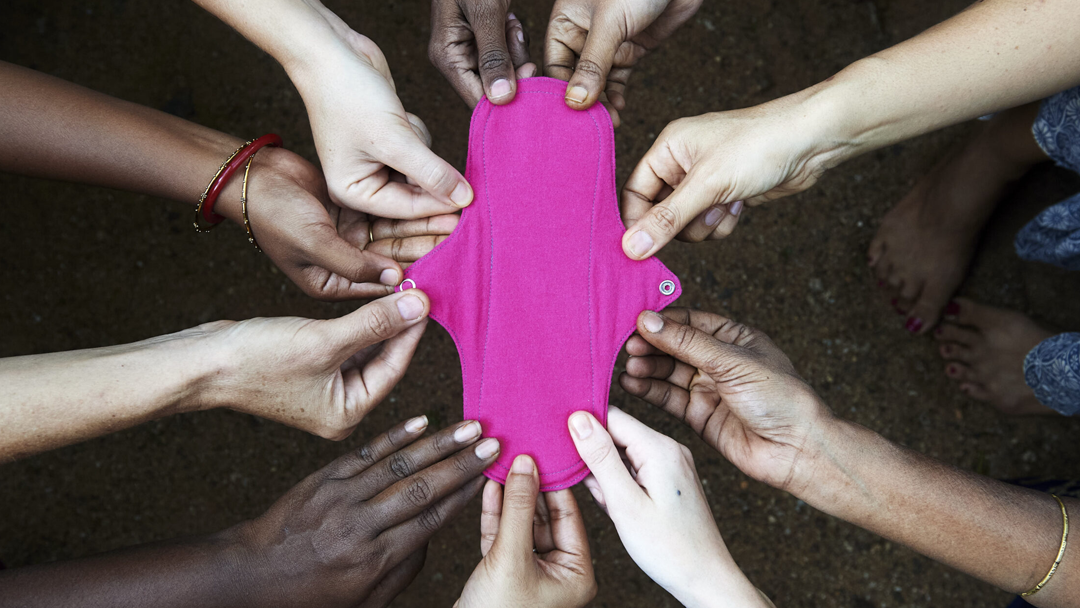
{"x": 419, "y": 128}
{"x": 408, "y": 155}
{"x": 605, "y": 36}
{"x": 593, "y": 487}
{"x": 400, "y": 229}
{"x": 416, "y": 531}
{"x": 567, "y": 526}
{"x": 407, "y": 250}
{"x": 666, "y": 219}
{"x": 450, "y": 49}
{"x": 598, "y": 451}
{"x": 519, "y": 506}
{"x": 684, "y": 342}
{"x": 490, "y": 513}
{"x": 379, "y": 320}
{"x": 367, "y": 384}
{"x": 542, "y": 538}
{"x": 636, "y": 346}
{"x": 396, "y": 580}
{"x": 407, "y": 462}
{"x": 561, "y": 42}
{"x": 658, "y": 393}
{"x": 728, "y": 223}
{"x": 653, "y": 366}
{"x": 703, "y": 225}
{"x": 526, "y": 71}
{"x": 410, "y": 497}
{"x": 489, "y": 24}
{"x": 336, "y": 255}
{"x": 358, "y": 461}
{"x": 518, "y": 44}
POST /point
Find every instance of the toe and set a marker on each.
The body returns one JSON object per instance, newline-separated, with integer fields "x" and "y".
{"x": 958, "y": 371}
{"x": 951, "y": 351}
{"x": 975, "y": 391}
{"x": 950, "y": 332}
{"x": 968, "y": 312}
{"x": 929, "y": 306}
{"x": 876, "y": 251}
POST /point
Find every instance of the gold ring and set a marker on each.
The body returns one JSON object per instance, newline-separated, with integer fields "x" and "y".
{"x": 371, "y": 233}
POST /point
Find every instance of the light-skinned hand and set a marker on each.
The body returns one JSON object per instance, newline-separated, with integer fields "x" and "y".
{"x": 322, "y": 376}
{"x": 536, "y": 551}
{"x": 647, "y": 484}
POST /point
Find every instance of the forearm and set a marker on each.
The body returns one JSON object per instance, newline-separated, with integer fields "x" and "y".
{"x": 208, "y": 571}
{"x": 995, "y": 55}
{"x": 57, "y": 399}
{"x": 1003, "y": 534}
{"x": 54, "y": 129}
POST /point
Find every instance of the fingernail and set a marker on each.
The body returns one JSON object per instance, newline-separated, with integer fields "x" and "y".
{"x": 487, "y": 448}
{"x": 640, "y": 243}
{"x": 712, "y": 218}
{"x": 462, "y": 194}
{"x": 510, "y": 16}
{"x": 653, "y": 322}
{"x": 914, "y": 324}
{"x": 416, "y": 424}
{"x": 500, "y": 88}
{"x": 389, "y": 277}
{"x": 467, "y": 433}
{"x": 952, "y": 308}
{"x": 581, "y": 425}
{"x": 577, "y": 94}
{"x": 523, "y": 465}
{"x": 735, "y": 207}
{"x": 521, "y": 36}
{"x": 410, "y": 307}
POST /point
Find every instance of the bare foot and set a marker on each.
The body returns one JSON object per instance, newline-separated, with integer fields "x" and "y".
{"x": 984, "y": 348}
{"x": 924, "y": 246}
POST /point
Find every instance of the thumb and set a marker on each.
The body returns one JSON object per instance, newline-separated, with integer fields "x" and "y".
{"x": 684, "y": 342}
{"x": 380, "y": 320}
{"x": 410, "y": 156}
{"x": 590, "y": 74}
{"x": 598, "y": 451}
{"x": 515, "y": 538}
{"x": 496, "y": 66}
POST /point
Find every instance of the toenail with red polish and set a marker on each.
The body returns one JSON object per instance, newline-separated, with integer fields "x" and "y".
{"x": 881, "y": 283}
{"x": 952, "y": 308}
{"x": 950, "y": 370}
{"x": 913, "y": 324}
{"x": 940, "y": 330}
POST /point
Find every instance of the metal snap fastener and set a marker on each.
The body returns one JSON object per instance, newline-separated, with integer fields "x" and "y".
{"x": 402, "y": 286}
{"x": 667, "y": 288}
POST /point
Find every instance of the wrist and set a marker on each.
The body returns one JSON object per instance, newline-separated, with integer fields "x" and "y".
{"x": 200, "y": 353}
{"x": 719, "y": 584}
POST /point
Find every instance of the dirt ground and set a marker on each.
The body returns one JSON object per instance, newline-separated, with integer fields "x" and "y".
{"x": 85, "y": 267}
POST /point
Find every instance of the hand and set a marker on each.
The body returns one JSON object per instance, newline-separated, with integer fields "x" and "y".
{"x": 659, "y": 509}
{"x": 319, "y": 376}
{"x": 733, "y": 386}
{"x": 692, "y": 182}
{"x": 594, "y": 44}
{"x": 322, "y": 247}
{"x": 356, "y": 532}
{"x": 480, "y": 48}
{"x": 363, "y": 134}
{"x": 536, "y": 551}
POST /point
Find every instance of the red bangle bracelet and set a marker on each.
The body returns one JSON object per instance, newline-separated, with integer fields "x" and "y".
{"x": 205, "y": 209}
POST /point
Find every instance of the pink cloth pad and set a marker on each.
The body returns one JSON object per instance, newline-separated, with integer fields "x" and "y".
{"x": 533, "y": 285}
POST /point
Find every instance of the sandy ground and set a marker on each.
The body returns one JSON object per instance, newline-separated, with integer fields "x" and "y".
{"x": 85, "y": 267}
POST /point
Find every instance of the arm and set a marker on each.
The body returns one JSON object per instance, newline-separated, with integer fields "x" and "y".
{"x": 361, "y": 129}
{"x": 995, "y": 55}
{"x": 335, "y": 372}
{"x": 54, "y": 129}
{"x": 747, "y": 401}
{"x": 352, "y": 534}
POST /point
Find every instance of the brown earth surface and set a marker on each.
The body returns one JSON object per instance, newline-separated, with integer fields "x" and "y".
{"x": 85, "y": 267}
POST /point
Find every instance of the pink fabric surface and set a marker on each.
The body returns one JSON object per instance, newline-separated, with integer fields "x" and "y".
{"x": 533, "y": 285}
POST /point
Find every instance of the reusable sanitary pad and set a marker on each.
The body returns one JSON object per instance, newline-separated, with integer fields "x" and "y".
{"x": 533, "y": 285}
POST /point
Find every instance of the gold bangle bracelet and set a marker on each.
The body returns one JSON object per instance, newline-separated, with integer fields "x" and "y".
{"x": 1061, "y": 550}
{"x": 202, "y": 199}
{"x": 243, "y": 204}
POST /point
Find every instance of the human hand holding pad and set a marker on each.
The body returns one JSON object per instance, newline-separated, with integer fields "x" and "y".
{"x": 533, "y": 285}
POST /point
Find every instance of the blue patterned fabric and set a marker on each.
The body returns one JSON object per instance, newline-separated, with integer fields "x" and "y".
{"x": 1052, "y": 369}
